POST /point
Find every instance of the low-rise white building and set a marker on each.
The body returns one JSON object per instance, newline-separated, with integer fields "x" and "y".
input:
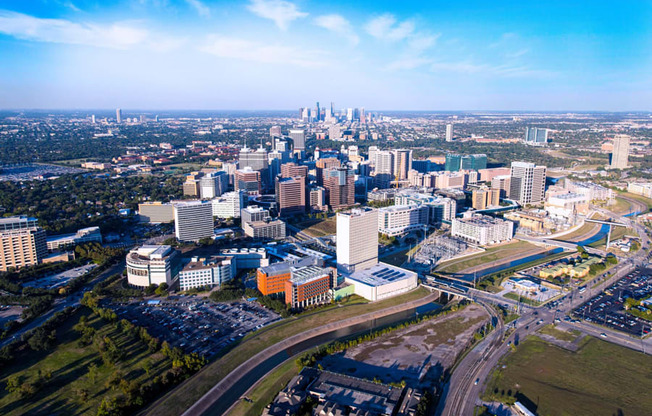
{"x": 85, "y": 235}
{"x": 270, "y": 229}
{"x": 567, "y": 205}
{"x": 482, "y": 229}
{"x": 401, "y": 219}
{"x": 591, "y": 190}
{"x": 206, "y": 272}
{"x": 153, "y": 264}
{"x": 248, "y": 258}
{"x": 382, "y": 281}
{"x": 638, "y": 188}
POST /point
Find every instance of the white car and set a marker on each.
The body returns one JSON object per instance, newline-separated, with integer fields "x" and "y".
{"x": 603, "y": 335}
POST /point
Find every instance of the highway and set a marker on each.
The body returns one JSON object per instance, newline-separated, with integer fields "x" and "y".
{"x": 468, "y": 380}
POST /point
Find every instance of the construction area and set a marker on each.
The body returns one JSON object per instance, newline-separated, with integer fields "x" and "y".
{"x": 418, "y": 354}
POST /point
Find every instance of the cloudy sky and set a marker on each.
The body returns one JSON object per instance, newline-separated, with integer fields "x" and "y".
{"x": 282, "y": 54}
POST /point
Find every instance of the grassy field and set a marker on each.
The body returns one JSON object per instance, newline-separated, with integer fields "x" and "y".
{"x": 266, "y": 390}
{"x": 644, "y": 200}
{"x": 580, "y": 232}
{"x": 68, "y": 365}
{"x": 621, "y": 206}
{"x": 599, "y": 379}
{"x": 396, "y": 259}
{"x": 522, "y": 299}
{"x": 187, "y": 393}
{"x": 560, "y": 335}
{"x": 490, "y": 255}
{"x": 318, "y": 228}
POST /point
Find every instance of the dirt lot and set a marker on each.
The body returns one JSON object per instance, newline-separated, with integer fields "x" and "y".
{"x": 421, "y": 351}
{"x": 9, "y": 313}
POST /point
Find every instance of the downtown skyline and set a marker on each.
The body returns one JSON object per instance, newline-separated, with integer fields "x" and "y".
{"x": 277, "y": 54}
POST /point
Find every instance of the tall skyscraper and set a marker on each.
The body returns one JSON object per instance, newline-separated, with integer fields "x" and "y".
{"x": 322, "y": 164}
{"x": 340, "y": 187}
{"x": 22, "y": 242}
{"x": 258, "y": 161}
{"x": 449, "y": 132}
{"x": 248, "y": 180}
{"x": 298, "y": 136}
{"x": 291, "y": 195}
{"x": 193, "y": 220}
{"x": 402, "y": 163}
{"x": 620, "y": 154}
{"x": 93, "y": 118}
{"x": 357, "y": 240}
{"x": 275, "y": 131}
{"x": 213, "y": 184}
{"x": 118, "y": 115}
{"x": 290, "y": 170}
{"x": 536, "y": 136}
{"x": 527, "y": 183}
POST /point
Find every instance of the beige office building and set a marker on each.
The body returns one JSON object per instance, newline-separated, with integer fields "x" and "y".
{"x": 620, "y": 154}
{"x": 22, "y": 242}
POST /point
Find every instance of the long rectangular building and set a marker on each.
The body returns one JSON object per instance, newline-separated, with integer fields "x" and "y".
{"x": 482, "y": 229}
{"x": 401, "y": 219}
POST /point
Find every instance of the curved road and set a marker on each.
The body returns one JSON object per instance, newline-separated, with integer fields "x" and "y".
{"x": 216, "y": 393}
{"x": 468, "y": 379}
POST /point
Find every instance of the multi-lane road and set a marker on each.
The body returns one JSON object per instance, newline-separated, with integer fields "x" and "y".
{"x": 461, "y": 394}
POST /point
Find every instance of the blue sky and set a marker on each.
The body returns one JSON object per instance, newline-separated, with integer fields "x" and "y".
{"x": 283, "y": 54}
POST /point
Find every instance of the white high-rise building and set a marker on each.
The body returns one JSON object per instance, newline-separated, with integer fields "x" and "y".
{"x": 620, "y": 154}
{"x": 357, "y": 240}
{"x": 384, "y": 161}
{"x": 402, "y": 163}
{"x": 213, "y": 184}
{"x": 118, "y": 115}
{"x": 229, "y": 204}
{"x": 193, "y": 220}
{"x": 527, "y": 183}
{"x": 482, "y": 229}
{"x": 449, "y": 132}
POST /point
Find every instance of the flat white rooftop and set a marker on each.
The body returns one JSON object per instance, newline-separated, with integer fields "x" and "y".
{"x": 381, "y": 274}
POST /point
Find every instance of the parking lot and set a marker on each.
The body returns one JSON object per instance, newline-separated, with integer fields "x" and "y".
{"x": 197, "y": 324}
{"x": 60, "y": 279}
{"x": 607, "y": 307}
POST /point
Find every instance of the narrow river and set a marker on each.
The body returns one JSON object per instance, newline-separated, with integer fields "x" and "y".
{"x": 234, "y": 393}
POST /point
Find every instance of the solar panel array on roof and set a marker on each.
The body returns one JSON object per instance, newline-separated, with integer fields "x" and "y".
{"x": 388, "y": 274}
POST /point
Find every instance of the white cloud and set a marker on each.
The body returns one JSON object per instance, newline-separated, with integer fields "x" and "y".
{"x": 386, "y": 27}
{"x": 246, "y": 50}
{"x": 200, "y": 7}
{"x": 117, "y": 35}
{"x": 280, "y": 11}
{"x": 338, "y": 24}
{"x": 468, "y": 67}
{"x": 407, "y": 64}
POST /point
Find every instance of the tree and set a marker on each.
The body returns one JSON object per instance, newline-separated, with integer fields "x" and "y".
{"x": 13, "y": 384}
{"x": 92, "y": 372}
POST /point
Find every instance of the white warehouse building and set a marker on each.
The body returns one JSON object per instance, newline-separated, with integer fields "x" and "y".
{"x": 482, "y": 229}
{"x": 153, "y": 264}
{"x": 382, "y": 281}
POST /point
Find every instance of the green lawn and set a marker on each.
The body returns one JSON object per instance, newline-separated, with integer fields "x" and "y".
{"x": 189, "y": 392}
{"x": 527, "y": 301}
{"x": 69, "y": 364}
{"x": 620, "y": 206}
{"x": 490, "y": 255}
{"x": 580, "y": 232}
{"x": 318, "y": 227}
{"x": 599, "y": 379}
{"x": 646, "y": 201}
{"x": 560, "y": 335}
